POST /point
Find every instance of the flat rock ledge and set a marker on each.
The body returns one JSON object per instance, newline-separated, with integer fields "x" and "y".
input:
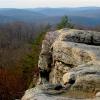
{"x": 38, "y": 94}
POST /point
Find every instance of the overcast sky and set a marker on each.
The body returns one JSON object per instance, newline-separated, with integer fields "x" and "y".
{"x": 47, "y": 3}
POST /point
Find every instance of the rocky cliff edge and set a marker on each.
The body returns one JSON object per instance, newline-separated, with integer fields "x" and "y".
{"x": 69, "y": 61}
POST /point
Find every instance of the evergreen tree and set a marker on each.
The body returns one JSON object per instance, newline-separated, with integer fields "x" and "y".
{"x": 64, "y": 23}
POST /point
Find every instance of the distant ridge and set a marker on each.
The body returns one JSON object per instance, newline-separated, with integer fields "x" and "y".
{"x": 78, "y": 15}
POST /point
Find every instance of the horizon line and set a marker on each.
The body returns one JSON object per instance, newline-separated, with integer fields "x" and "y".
{"x": 49, "y": 7}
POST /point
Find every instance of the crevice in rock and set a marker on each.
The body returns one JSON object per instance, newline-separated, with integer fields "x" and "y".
{"x": 68, "y": 65}
{"x": 58, "y": 87}
{"x": 83, "y": 40}
{"x": 44, "y": 74}
{"x": 97, "y": 73}
{"x": 71, "y": 81}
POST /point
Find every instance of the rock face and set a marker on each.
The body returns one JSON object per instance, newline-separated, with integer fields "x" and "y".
{"x": 70, "y": 56}
{"x": 85, "y": 77}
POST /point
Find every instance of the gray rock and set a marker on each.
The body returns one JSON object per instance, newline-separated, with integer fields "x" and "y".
{"x": 70, "y": 57}
{"x": 38, "y": 94}
{"x": 87, "y": 77}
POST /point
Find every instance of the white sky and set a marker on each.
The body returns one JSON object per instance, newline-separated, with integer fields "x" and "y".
{"x": 47, "y": 3}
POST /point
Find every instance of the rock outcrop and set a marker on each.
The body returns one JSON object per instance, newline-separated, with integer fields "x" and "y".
{"x": 71, "y": 58}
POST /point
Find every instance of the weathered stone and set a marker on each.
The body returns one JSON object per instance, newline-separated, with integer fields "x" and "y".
{"x": 87, "y": 77}
{"x": 98, "y": 94}
{"x": 73, "y": 48}
{"x": 69, "y": 57}
{"x": 56, "y": 73}
{"x": 68, "y": 77}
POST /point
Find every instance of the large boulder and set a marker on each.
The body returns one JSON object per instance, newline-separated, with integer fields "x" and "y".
{"x": 71, "y": 56}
